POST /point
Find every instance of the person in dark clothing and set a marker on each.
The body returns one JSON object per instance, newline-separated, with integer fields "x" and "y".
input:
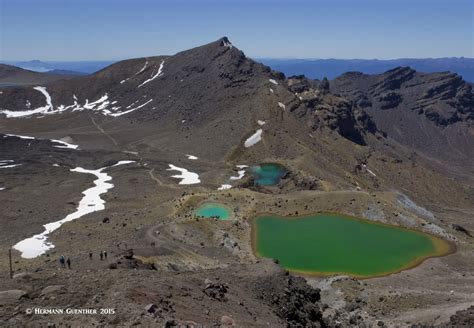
{"x": 68, "y": 261}
{"x": 62, "y": 261}
{"x": 101, "y": 255}
{"x": 105, "y": 254}
{"x": 90, "y": 255}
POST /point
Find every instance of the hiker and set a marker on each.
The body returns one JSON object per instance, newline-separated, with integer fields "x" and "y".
{"x": 101, "y": 255}
{"x": 68, "y": 261}
{"x": 105, "y": 254}
{"x": 62, "y": 260}
{"x": 90, "y": 255}
{"x": 152, "y": 244}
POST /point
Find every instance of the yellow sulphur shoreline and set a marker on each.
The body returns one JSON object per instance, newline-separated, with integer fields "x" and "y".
{"x": 441, "y": 246}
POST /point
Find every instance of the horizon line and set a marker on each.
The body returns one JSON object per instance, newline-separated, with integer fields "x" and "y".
{"x": 252, "y": 57}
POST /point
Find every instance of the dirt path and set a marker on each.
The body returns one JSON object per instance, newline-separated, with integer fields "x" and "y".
{"x": 103, "y": 131}
{"x": 154, "y": 178}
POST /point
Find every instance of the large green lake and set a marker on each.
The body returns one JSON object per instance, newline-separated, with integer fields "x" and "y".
{"x": 267, "y": 174}
{"x": 325, "y": 244}
{"x": 213, "y": 210}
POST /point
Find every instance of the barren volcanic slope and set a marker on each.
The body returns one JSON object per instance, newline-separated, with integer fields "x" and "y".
{"x": 120, "y": 160}
{"x": 431, "y": 113}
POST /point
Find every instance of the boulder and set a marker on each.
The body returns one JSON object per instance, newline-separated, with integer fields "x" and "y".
{"x": 52, "y": 289}
{"x": 227, "y": 321}
{"x": 25, "y": 276}
{"x": 11, "y": 296}
{"x": 128, "y": 254}
{"x": 150, "y": 308}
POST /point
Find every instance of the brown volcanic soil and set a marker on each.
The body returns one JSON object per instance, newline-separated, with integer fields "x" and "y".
{"x": 329, "y": 152}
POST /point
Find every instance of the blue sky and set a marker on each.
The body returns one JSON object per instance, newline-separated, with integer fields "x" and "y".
{"x": 119, "y": 29}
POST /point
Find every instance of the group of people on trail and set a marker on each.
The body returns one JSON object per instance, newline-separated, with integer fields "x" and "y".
{"x": 102, "y": 255}
{"x": 65, "y": 261}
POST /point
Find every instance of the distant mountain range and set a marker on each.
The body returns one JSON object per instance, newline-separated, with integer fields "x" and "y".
{"x": 62, "y": 67}
{"x": 332, "y": 68}
{"x": 312, "y": 68}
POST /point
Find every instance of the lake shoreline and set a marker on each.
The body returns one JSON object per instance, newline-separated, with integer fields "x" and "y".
{"x": 441, "y": 246}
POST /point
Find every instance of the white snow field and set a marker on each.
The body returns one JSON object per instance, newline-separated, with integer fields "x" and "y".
{"x": 253, "y": 139}
{"x": 186, "y": 176}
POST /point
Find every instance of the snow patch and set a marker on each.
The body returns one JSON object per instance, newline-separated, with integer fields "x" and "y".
{"x": 7, "y": 163}
{"x": 64, "y": 144}
{"x": 130, "y": 110}
{"x": 141, "y": 70}
{"x": 91, "y": 202}
{"x": 240, "y": 176}
{"x": 158, "y": 74}
{"x": 273, "y": 81}
{"x": 227, "y": 44}
{"x": 260, "y": 122}
{"x": 186, "y": 176}
{"x": 9, "y": 166}
{"x": 281, "y": 105}
{"x": 371, "y": 172}
{"x": 49, "y": 104}
{"x": 224, "y": 187}
{"x": 368, "y": 170}
{"x": 253, "y": 139}
{"x": 122, "y": 163}
{"x": 191, "y": 157}
{"x": 101, "y": 103}
{"x": 18, "y": 136}
{"x": 39, "y": 110}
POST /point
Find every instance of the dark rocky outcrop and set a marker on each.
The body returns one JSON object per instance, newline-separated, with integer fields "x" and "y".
{"x": 215, "y": 290}
{"x": 463, "y": 318}
{"x": 326, "y": 109}
{"x": 444, "y": 98}
{"x": 460, "y": 228}
{"x": 429, "y": 112}
{"x": 294, "y": 301}
{"x": 389, "y": 100}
